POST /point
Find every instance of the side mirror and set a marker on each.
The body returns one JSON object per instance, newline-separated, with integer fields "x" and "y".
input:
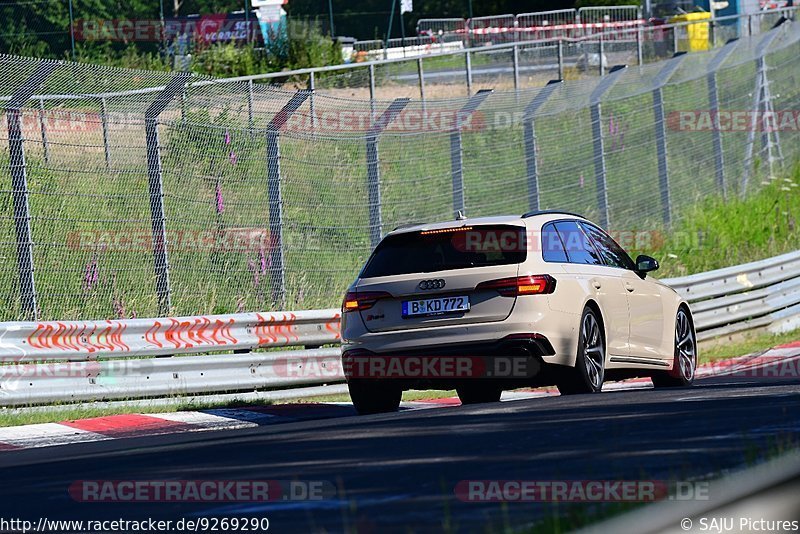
{"x": 646, "y": 264}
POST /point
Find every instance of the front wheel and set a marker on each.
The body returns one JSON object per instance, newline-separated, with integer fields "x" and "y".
{"x": 684, "y": 365}
{"x": 370, "y": 396}
{"x": 587, "y": 375}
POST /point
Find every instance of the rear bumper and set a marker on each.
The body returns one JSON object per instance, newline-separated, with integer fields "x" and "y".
{"x": 551, "y": 335}
{"x": 514, "y": 361}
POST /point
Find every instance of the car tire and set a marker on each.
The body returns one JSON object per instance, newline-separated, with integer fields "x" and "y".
{"x": 589, "y": 371}
{"x": 370, "y": 396}
{"x": 684, "y": 365}
{"x": 478, "y": 394}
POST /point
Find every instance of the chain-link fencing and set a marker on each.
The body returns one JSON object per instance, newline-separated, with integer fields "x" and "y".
{"x": 134, "y": 193}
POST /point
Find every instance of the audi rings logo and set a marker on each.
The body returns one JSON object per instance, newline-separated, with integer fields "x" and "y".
{"x": 432, "y": 284}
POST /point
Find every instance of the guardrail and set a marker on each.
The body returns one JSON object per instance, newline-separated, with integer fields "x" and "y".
{"x": 762, "y": 294}
{"x": 68, "y": 361}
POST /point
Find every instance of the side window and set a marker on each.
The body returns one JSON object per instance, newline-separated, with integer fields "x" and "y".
{"x": 613, "y": 254}
{"x": 552, "y": 247}
{"x": 577, "y": 244}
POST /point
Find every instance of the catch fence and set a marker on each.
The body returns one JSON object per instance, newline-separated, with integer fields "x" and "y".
{"x": 144, "y": 194}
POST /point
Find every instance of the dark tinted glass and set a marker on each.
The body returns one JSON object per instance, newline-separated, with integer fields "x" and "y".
{"x": 424, "y": 252}
{"x": 578, "y": 246}
{"x": 612, "y": 253}
{"x": 552, "y": 247}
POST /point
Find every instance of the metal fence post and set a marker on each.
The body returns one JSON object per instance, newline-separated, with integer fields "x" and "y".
{"x": 156, "y": 188}
{"x": 560, "y": 59}
{"x": 312, "y": 86}
{"x": 43, "y": 126}
{"x": 713, "y": 100}
{"x": 601, "y": 50}
{"x": 373, "y": 167}
{"x": 468, "y": 68}
{"x": 277, "y": 269}
{"x": 19, "y": 186}
{"x": 639, "y": 50}
{"x": 515, "y": 59}
{"x": 421, "y": 76}
{"x": 675, "y": 46}
{"x": 759, "y": 104}
{"x": 456, "y": 153}
{"x": 250, "y": 111}
{"x": 597, "y": 135}
{"x": 372, "y": 91}
{"x": 184, "y": 99}
{"x": 529, "y": 133}
{"x": 712, "y": 33}
{"x": 659, "y": 122}
{"x": 104, "y": 123}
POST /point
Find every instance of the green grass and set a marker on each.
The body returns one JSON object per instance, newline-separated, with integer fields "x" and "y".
{"x": 715, "y": 233}
{"x": 747, "y": 344}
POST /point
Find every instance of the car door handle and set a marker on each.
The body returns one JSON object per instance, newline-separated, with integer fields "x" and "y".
{"x": 596, "y": 284}
{"x": 629, "y": 287}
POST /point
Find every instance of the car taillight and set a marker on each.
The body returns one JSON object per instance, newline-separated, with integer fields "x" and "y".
{"x": 537, "y": 284}
{"x": 362, "y": 300}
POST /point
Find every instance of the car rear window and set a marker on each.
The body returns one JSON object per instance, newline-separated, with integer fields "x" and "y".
{"x": 441, "y": 250}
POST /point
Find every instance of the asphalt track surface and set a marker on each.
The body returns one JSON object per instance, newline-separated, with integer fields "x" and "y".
{"x": 397, "y": 472}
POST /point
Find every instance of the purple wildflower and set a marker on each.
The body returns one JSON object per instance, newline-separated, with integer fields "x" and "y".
{"x": 263, "y": 260}
{"x": 219, "y": 200}
{"x": 581, "y": 180}
{"x": 232, "y": 157}
{"x": 227, "y": 137}
{"x": 251, "y": 266}
{"x": 91, "y": 274}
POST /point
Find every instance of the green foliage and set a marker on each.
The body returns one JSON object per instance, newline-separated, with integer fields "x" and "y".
{"x": 716, "y": 233}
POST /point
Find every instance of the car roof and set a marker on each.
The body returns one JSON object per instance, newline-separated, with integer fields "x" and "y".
{"x": 515, "y": 220}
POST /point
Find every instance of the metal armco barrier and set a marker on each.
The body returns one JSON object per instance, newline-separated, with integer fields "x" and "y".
{"x": 758, "y": 295}
{"x": 91, "y": 340}
{"x": 69, "y": 361}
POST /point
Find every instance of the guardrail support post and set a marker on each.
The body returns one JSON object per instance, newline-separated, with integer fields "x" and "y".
{"x": 104, "y": 122}
{"x": 274, "y": 194}
{"x": 468, "y": 67}
{"x": 156, "y": 187}
{"x": 597, "y": 134}
{"x": 456, "y": 153}
{"x": 43, "y": 126}
{"x": 659, "y": 82}
{"x": 529, "y": 133}
{"x": 713, "y": 100}
{"x": 19, "y": 186}
{"x": 373, "y": 167}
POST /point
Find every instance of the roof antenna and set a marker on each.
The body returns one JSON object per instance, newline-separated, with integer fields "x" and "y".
{"x": 460, "y": 215}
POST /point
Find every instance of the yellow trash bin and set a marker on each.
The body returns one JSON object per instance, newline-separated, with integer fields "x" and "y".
{"x": 692, "y": 37}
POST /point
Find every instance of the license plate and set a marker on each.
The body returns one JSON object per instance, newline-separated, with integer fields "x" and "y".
{"x": 436, "y": 306}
